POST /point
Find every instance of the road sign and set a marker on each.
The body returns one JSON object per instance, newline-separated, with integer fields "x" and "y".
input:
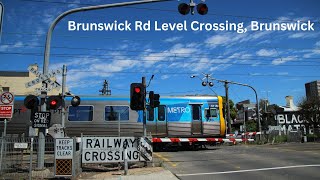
{"x": 63, "y": 154}
{"x": 41, "y": 119}
{"x": 109, "y": 149}
{"x": 145, "y": 147}
{"x": 63, "y": 148}
{"x": 56, "y": 131}
{"x": 20, "y": 145}
{"x": 6, "y": 111}
{"x": 6, "y": 98}
{"x": 44, "y": 77}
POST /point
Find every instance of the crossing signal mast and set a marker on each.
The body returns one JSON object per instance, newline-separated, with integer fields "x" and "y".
{"x": 185, "y": 8}
{"x": 137, "y": 96}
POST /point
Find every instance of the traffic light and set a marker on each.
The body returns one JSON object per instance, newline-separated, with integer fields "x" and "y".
{"x": 151, "y": 99}
{"x": 137, "y": 96}
{"x": 54, "y": 102}
{"x": 31, "y": 102}
{"x": 75, "y": 101}
{"x": 156, "y": 100}
{"x": 202, "y": 8}
{"x": 184, "y": 8}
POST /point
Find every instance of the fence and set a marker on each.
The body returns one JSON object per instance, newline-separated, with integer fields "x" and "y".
{"x": 15, "y": 160}
{"x": 276, "y": 136}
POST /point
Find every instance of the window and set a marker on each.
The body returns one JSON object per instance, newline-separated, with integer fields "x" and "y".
{"x": 5, "y": 89}
{"x": 80, "y": 113}
{"x": 116, "y": 113}
{"x": 162, "y": 113}
{"x": 211, "y": 113}
{"x": 196, "y": 112}
{"x": 150, "y": 113}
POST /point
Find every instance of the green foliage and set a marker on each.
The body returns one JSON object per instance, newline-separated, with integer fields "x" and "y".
{"x": 251, "y": 126}
{"x": 233, "y": 110}
{"x": 280, "y": 139}
{"x": 310, "y": 110}
{"x": 312, "y": 136}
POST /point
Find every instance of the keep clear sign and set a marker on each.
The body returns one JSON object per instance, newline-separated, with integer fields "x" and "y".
{"x": 64, "y": 148}
{"x": 109, "y": 149}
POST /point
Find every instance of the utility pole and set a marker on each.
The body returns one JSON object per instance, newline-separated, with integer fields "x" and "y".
{"x": 144, "y": 109}
{"x": 63, "y": 110}
{"x": 41, "y": 146}
{"x": 227, "y": 98}
{"x": 228, "y": 107}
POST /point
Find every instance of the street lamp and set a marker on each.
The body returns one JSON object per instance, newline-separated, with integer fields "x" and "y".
{"x": 205, "y": 82}
{"x": 208, "y": 76}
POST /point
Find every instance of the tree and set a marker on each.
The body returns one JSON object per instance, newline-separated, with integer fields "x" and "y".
{"x": 310, "y": 110}
{"x": 233, "y": 110}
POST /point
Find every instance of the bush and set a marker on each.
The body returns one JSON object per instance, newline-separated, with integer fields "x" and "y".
{"x": 281, "y": 138}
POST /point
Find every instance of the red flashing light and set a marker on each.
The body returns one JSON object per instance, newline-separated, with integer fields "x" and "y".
{"x": 137, "y": 89}
{"x": 53, "y": 103}
{"x": 202, "y": 9}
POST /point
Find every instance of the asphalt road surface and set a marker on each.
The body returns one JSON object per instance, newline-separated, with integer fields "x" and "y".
{"x": 256, "y": 162}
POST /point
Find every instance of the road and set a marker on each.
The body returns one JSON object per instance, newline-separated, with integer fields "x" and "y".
{"x": 283, "y": 161}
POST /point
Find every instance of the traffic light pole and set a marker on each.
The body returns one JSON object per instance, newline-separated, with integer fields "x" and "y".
{"x": 227, "y": 107}
{"x": 255, "y": 92}
{"x": 47, "y": 54}
{"x": 144, "y": 109}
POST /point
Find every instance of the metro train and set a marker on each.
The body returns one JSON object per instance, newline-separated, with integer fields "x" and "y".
{"x": 197, "y": 116}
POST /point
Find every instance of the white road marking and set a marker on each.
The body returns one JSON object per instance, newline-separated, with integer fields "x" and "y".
{"x": 250, "y": 170}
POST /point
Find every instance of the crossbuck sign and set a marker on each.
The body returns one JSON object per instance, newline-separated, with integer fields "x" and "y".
{"x": 44, "y": 77}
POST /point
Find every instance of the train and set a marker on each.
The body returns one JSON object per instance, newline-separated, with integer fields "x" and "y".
{"x": 185, "y": 116}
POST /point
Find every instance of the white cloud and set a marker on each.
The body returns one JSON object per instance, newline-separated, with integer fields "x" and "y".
{"x": 181, "y": 50}
{"x": 163, "y": 77}
{"x": 217, "y": 40}
{"x": 283, "y": 60}
{"x": 173, "y": 39}
{"x": 11, "y": 47}
{"x": 265, "y": 52}
{"x": 303, "y": 35}
{"x": 317, "y": 44}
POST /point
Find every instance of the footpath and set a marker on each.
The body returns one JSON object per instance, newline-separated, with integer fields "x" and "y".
{"x": 146, "y": 173}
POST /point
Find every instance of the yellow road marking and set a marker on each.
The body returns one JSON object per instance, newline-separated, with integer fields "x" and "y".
{"x": 165, "y": 159}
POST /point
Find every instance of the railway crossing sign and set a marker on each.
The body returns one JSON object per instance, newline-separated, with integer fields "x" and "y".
{"x": 44, "y": 77}
{"x": 63, "y": 153}
{"x": 7, "y": 98}
{"x": 41, "y": 119}
{"x": 6, "y": 105}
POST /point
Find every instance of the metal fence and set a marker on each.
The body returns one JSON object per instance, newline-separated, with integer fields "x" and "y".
{"x": 20, "y": 162}
{"x": 277, "y": 136}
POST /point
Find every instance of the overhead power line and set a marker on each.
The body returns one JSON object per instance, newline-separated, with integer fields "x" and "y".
{"x": 161, "y": 53}
{"x": 215, "y": 74}
{"x": 167, "y": 10}
{"x": 167, "y": 61}
{"x": 141, "y": 39}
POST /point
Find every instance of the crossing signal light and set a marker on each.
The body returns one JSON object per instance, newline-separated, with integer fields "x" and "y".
{"x": 184, "y": 8}
{"x": 137, "y": 96}
{"x": 54, "y": 102}
{"x": 151, "y": 99}
{"x": 202, "y": 8}
{"x": 75, "y": 101}
{"x": 154, "y": 99}
{"x": 31, "y": 102}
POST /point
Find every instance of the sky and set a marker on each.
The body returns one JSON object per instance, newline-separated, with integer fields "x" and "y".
{"x": 276, "y": 63}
